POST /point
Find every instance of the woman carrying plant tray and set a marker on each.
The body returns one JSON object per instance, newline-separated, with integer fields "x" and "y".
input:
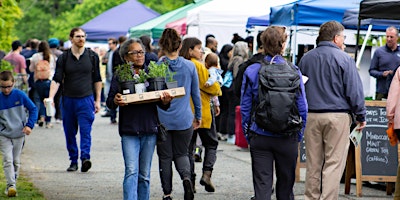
{"x": 137, "y": 123}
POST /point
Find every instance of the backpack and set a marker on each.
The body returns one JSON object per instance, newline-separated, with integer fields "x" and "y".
{"x": 42, "y": 71}
{"x": 277, "y": 110}
{"x": 94, "y": 60}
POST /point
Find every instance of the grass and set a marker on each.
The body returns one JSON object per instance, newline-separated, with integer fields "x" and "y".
{"x": 25, "y": 189}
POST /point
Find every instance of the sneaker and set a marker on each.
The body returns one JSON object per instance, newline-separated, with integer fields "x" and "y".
{"x": 187, "y": 187}
{"x": 73, "y": 167}
{"x": 86, "y": 165}
{"x": 49, "y": 125}
{"x": 222, "y": 137}
{"x": 11, "y": 191}
{"x": 107, "y": 114}
{"x": 197, "y": 154}
{"x": 231, "y": 139}
{"x": 167, "y": 198}
{"x": 41, "y": 122}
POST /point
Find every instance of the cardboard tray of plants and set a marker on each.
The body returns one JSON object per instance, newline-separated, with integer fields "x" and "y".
{"x": 153, "y": 96}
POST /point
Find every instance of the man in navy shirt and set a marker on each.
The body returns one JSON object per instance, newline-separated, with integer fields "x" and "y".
{"x": 384, "y": 63}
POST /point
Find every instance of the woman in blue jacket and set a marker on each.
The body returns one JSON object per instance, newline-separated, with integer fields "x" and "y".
{"x": 267, "y": 148}
{"x": 179, "y": 118}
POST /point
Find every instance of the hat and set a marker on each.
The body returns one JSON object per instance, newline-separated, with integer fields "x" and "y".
{"x": 53, "y": 42}
{"x": 249, "y": 39}
{"x": 16, "y": 44}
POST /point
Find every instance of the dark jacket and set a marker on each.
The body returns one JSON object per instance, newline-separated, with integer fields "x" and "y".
{"x": 384, "y": 59}
{"x": 250, "y": 96}
{"x": 334, "y": 84}
{"x": 239, "y": 77}
{"x": 134, "y": 119}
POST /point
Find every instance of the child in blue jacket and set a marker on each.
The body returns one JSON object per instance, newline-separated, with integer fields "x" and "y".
{"x": 14, "y": 125}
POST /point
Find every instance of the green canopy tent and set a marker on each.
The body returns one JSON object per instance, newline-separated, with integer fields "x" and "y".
{"x": 156, "y": 26}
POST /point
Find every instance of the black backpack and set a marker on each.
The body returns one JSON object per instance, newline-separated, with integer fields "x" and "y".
{"x": 277, "y": 110}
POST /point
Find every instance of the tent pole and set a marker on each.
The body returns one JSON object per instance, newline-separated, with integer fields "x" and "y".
{"x": 358, "y": 36}
{"x": 363, "y": 46}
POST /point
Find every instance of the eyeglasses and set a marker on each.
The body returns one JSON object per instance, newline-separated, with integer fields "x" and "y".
{"x": 136, "y": 53}
{"x": 344, "y": 37}
{"x": 80, "y": 36}
{"x": 6, "y": 87}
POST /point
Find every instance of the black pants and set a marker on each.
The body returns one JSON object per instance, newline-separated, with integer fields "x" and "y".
{"x": 175, "y": 148}
{"x": 223, "y": 116}
{"x": 209, "y": 140}
{"x": 57, "y": 97}
{"x": 233, "y": 101}
{"x": 265, "y": 152}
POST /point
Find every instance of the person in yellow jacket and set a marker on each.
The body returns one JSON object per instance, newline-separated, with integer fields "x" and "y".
{"x": 192, "y": 50}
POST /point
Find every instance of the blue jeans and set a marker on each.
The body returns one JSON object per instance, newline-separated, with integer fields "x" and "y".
{"x": 43, "y": 88}
{"x": 138, "y": 154}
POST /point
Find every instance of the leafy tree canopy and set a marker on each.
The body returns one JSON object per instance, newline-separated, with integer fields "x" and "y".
{"x": 43, "y": 19}
{"x": 9, "y": 14}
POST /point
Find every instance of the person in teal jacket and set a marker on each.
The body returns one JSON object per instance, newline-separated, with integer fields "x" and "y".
{"x": 14, "y": 125}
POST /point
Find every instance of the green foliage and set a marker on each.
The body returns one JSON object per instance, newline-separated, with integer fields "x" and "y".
{"x": 124, "y": 72}
{"x": 43, "y": 19}
{"x": 37, "y": 14}
{"x": 5, "y": 66}
{"x": 9, "y": 14}
{"x": 373, "y": 40}
{"x": 170, "y": 76}
{"x": 141, "y": 77}
{"x": 82, "y": 13}
{"x": 26, "y": 189}
{"x": 157, "y": 70}
{"x": 164, "y": 6}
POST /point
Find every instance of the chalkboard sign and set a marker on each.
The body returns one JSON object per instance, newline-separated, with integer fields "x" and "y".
{"x": 378, "y": 157}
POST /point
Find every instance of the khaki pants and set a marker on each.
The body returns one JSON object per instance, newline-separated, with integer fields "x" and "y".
{"x": 327, "y": 143}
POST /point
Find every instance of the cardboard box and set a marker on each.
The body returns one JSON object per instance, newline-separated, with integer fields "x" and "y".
{"x": 153, "y": 96}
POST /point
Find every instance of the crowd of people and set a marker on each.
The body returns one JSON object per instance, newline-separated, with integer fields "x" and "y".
{"x": 327, "y": 97}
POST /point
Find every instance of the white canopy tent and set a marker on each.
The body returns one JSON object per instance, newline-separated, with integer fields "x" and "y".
{"x": 223, "y": 18}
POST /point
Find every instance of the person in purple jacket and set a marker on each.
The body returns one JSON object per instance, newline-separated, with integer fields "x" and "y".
{"x": 266, "y": 147}
{"x": 14, "y": 125}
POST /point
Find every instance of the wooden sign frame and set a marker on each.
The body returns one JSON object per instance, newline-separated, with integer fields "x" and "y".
{"x": 358, "y": 165}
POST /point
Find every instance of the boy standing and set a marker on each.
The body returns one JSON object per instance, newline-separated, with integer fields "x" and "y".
{"x": 13, "y": 127}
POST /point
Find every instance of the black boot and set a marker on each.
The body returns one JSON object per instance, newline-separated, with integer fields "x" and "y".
{"x": 193, "y": 179}
{"x": 188, "y": 188}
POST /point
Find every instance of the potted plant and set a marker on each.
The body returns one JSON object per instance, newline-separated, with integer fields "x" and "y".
{"x": 157, "y": 74}
{"x": 140, "y": 79}
{"x": 125, "y": 78}
{"x": 171, "y": 82}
